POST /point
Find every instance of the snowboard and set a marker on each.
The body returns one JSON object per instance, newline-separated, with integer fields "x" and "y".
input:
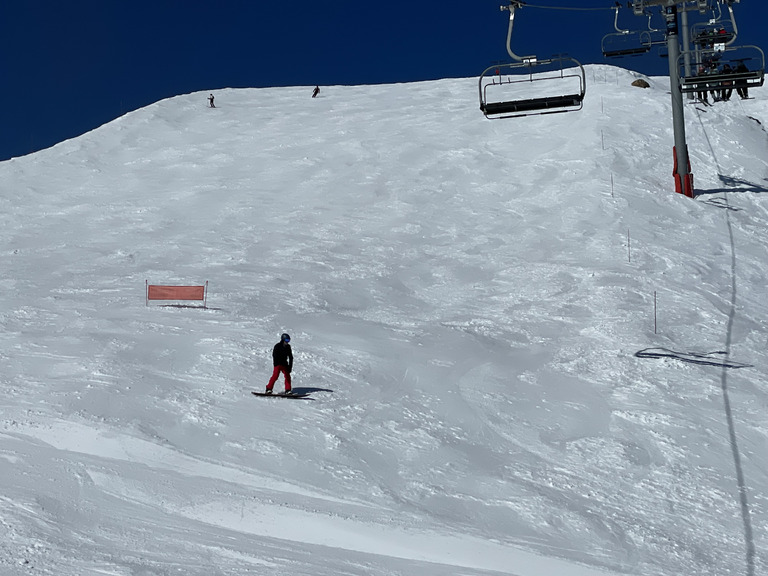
{"x": 295, "y": 396}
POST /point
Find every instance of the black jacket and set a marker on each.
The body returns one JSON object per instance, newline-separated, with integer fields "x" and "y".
{"x": 282, "y": 355}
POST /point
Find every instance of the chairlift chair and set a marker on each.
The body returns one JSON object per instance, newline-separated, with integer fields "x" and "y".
{"x": 707, "y": 35}
{"x": 521, "y": 81}
{"x": 621, "y": 44}
{"x": 719, "y": 30}
{"x": 713, "y": 78}
{"x": 713, "y": 49}
{"x": 511, "y": 90}
{"x": 629, "y": 42}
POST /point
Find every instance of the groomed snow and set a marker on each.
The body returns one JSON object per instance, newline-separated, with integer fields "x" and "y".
{"x": 471, "y": 304}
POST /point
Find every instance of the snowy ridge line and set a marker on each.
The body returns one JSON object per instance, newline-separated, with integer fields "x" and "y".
{"x": 458, "y": 550}
{"x": 78, "y": 438}
{"x": 704, "y": 359}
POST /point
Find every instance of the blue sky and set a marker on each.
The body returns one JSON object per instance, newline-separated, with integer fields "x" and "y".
{"x": 68, "y": 67}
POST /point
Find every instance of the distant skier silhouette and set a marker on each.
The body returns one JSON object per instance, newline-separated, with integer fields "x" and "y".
{"x": 210, "y": 101}
{"x": 316, "y": 91}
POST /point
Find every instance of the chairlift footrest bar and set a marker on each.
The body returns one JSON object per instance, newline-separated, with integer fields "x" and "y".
{"x": 532, "y": 104}
{"x": 627, "y": 52}
{"x": 719, "y": 82}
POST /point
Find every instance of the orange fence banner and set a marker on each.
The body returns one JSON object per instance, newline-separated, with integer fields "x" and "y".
{"x": 161, "y": 292}
{"x": 155, "y": 292}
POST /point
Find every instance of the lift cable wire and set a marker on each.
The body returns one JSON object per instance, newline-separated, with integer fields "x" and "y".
{"x": 527, "y": 5}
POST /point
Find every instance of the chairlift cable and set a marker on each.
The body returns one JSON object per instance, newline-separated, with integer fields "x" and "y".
{"x": 572, "y": 9}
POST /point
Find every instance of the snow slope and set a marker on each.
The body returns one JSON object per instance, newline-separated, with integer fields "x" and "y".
{"x": 472, "y": 310}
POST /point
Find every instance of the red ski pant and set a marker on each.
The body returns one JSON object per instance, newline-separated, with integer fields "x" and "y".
{"x": 276, "y": 374}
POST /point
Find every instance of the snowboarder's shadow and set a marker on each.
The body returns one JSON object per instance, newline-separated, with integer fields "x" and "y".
{"x": 308, "y": 390}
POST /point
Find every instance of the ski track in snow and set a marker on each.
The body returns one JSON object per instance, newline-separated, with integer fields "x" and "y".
{"x": 469, "y": 303}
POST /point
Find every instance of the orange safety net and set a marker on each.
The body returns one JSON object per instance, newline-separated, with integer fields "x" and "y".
{"x": 155, "y": 292}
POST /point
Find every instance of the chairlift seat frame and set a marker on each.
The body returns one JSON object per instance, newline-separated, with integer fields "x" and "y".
{"x": 752, "y": 79}
{"x": 644, "y": 43}
{"x": 569, "y": 102}
{"x": 712, "y": 38}
{"x": 536, "y": 105}
{"x": 643, "y": 39}
{"x": 550, "y": 104}
{"x": 638, "y": 51}
{"x": 709, "y": 32}
{"x": 720, "y": 81}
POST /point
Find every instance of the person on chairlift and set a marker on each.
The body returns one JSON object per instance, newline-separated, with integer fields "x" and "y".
{"x": 741, "y": 85}
{"x": 727, "y": 88}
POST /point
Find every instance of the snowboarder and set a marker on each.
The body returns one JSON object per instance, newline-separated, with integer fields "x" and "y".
{"x": 316, "y": 91}
{"x": 210, "y": 101}
{"x": 282, "y": 358}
